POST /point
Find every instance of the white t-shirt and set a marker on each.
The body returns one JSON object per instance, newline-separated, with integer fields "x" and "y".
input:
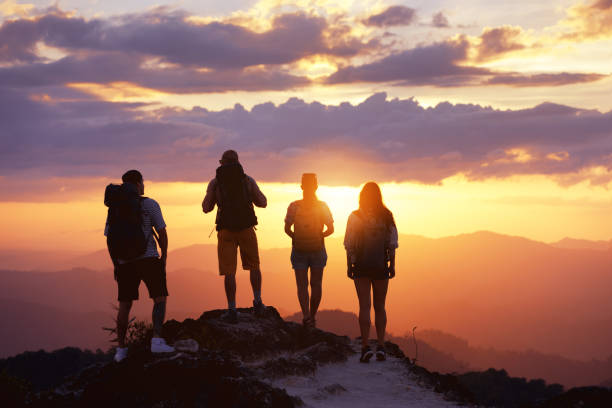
{"x": 151, "y": 217}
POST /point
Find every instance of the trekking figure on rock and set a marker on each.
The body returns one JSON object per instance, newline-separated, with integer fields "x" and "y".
{"x": 370, "y": 242}
{"x": 131, "y": 225}
{"x": 234, "y": 193}
{"x": 308, "y": 217}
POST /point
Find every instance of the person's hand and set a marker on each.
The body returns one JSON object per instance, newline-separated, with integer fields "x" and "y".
{"x": 350, "y": 271}
{"x": 391, "y": 271}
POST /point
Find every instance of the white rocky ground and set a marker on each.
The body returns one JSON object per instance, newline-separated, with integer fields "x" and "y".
{"x": 353, "y": 384}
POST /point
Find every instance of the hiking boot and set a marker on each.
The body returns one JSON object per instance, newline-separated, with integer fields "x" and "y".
{"x": 120, "y": 354}
{"x": 258, "y": 308}
{"x": 158, "y": 345}
{"x": 230, "y": 316}
{"x": 380, "y": 353}
{"x": 366, "y": 354}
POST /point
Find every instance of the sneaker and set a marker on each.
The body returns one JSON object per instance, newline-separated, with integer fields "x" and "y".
{"x": 120, "y": 354}
{"x": 366, "y": 355}
{"x": 380, "y": 353}
{"x": 158, "y": 345}
{"x": 231, "y": 316}
{"x": 258, "y": 308}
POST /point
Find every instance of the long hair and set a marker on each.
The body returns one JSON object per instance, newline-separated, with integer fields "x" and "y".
{"x": 370, "y": 200}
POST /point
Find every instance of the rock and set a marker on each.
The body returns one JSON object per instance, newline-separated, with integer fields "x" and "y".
{"x": 189, "y": 345}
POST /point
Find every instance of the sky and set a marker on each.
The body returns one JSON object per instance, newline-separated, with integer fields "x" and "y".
{"x": 472, "y": 115}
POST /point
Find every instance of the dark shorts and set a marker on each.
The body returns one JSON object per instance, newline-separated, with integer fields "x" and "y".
{"x": 379, "y": 274}
{"x": 150, "y": 270}
{"x": 302, "y": 260}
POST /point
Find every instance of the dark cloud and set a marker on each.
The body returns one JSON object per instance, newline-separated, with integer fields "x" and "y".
{"x": 436, "y": 64}
{"x": 119, "y": 67}
{"x": 392, "y": 16}
{"x": 378, "y": 139}
{"x": 439, "y": 20}
{"x": 171, "y": 38}
{"x": 556, "y": 79}
{"x": 447, "y": 64}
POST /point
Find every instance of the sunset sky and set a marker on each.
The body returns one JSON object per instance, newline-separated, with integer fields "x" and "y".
{"x": 472, "y": 115}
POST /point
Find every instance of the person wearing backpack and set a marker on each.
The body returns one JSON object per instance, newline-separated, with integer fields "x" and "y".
{"x": 370, "y": 242}
{"x": 234, "y": 193}
{"x": 131, "y": 225}
{"x": 308, "y": 217}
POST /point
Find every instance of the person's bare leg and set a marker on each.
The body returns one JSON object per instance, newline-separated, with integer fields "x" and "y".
{"x": 123, "y": 315}
{"x": 255, "y": 275}
{"x": 230, "y": 289}
{"x": 316, "y": 289}
{"x": 158, "y": 315}
{"x": 301, "y": 281}
{"x": 362, "y": 285}
{"x": 379, "y": 291}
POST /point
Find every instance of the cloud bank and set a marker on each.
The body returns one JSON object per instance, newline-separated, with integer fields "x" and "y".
{"x": 379, "y": 139}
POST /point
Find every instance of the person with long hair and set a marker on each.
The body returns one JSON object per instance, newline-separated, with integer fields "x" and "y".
{"x": 370, "y": 242}
{"x": 309, "y": 217}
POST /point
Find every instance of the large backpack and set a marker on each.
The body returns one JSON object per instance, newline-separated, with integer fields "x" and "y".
{"x": 125, "y": 237}
{"x": 372, "y": 244}
{"x": 235, "y": 207}
{"x": 307, "y": 227}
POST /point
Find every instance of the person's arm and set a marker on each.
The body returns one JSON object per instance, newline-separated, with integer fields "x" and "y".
{"x": 289, "y": 219}
{"x": 349, "y": 245}
{"x": 288, "y": 229}
{"x": 329, "y": 221}
{"x": 258, "y": 198}
{"x": 210, "y": 199}
{"x": 393, "y": 244}
{"x": 162, "y": 234}
{"x": 329, "y": 230}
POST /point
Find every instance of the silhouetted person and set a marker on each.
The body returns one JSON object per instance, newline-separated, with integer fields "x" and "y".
{"x": 308, "y": 218}
{"x": 370, "y": 242}
{"x": 234, "y": 193}
{"x": 131, "y": 225}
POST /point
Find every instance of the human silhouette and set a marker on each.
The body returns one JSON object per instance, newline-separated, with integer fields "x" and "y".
{"x": 308, "y": 217}
{"x": 131, "y": 225}
{"x": 370, "y": 242}
{"x": 234, "y": 193}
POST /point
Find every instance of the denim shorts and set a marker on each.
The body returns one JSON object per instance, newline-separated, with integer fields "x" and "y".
{"x": 302, "y": 260}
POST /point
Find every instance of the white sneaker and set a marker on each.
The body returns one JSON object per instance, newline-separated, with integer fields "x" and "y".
{"x": 120, "y": 354}
{"x": 158, "y": 345}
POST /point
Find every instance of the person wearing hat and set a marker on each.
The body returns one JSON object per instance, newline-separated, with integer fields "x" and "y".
{"x": 234, "y": 193}
{"x": 309, "y": 217}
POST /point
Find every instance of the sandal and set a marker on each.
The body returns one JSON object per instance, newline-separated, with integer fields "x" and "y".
{"x": 307, "y": 322}
{"x": 366, "y": 354}
{"x": 380, "y": 353}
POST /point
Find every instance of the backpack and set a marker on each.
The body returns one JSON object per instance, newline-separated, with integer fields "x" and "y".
{"x": 372, "y": 244}
{"x": 307, "y": 227}
{"x": 125, "y": 237}
{"x": 235, "y": 209}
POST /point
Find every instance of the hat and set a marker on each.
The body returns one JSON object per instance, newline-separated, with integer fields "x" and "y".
{"x": 309, "y": 180}
{"x": 229, "y": 156}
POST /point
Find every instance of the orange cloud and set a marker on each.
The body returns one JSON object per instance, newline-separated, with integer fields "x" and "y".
{"x": 497, "y": 41}
{"x": 589, "y": 21}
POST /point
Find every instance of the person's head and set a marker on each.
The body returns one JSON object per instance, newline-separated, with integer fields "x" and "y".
{"x": 370, "y": 201}
{"x": 309, "y": 184}
{"x": 134, "y": 177}
{"x": 229, "y": 157}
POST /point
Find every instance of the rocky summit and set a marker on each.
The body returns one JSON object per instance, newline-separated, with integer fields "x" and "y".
{"x": 259, "y": 361}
